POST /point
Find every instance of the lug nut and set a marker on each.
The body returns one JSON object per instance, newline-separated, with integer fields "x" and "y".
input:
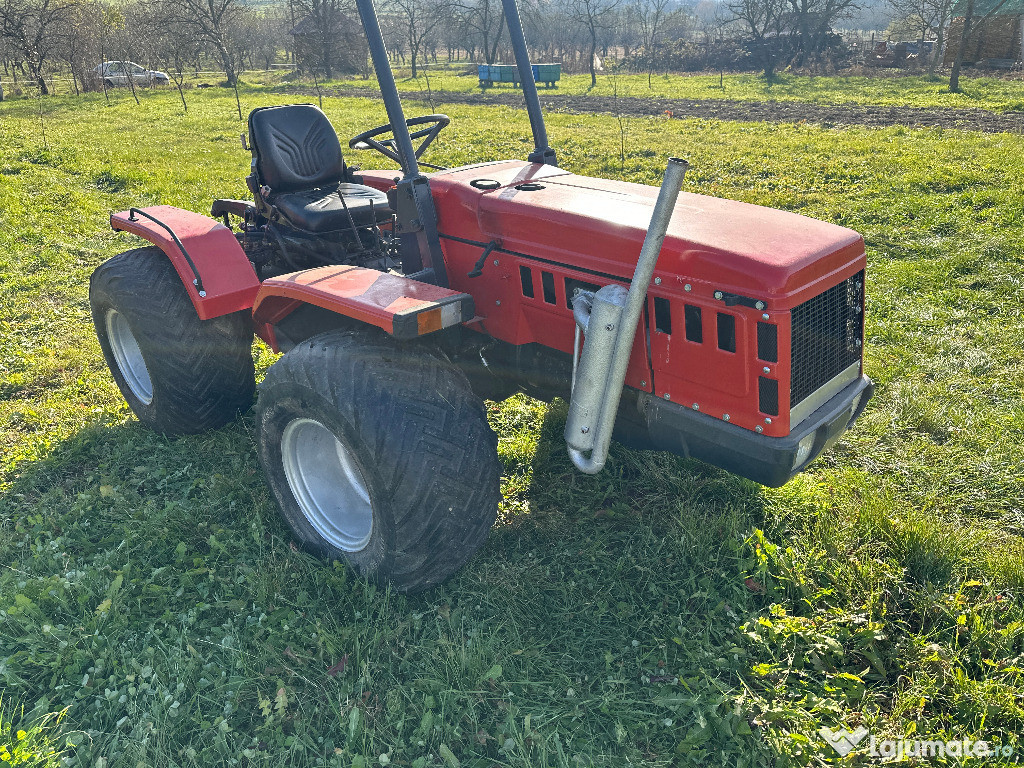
{"x": 767, "y": 421}
{"x": 764, "y": 316}
{"x": 758, "y": 305}
{"x": 719, "y": 295}
{"x": 657, "y": 281}
{"x": 759, "y": 429}
{"x": 725, "y": 417}
{"x": 696, "y": 406}
{"x": 687, "y": 287}
{"x": 666, "y": 396}
{"x": 766, "y": 369}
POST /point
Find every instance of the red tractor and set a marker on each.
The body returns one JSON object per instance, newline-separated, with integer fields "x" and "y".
{"x": 705, "y": 327}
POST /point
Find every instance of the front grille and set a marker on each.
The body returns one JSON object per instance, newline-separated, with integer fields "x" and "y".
{"x": 828, "y": 333}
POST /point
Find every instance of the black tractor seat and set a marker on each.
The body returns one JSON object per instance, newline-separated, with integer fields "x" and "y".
{"x": 299, "y": 173}
{"x": 323, "y": 210}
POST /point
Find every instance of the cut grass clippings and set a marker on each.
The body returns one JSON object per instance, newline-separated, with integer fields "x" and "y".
{"x": 661, "y": 613}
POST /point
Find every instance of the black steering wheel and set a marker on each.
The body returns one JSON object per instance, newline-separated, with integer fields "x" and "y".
{"x": 388, "y": 148}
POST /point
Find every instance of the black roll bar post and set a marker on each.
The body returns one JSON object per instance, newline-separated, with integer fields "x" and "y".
{"x": 388, "y": 88}
{"x": 417, "y": 223}
{"x": 542, "y": 153}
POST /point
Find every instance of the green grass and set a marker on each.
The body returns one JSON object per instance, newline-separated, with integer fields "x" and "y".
{"x": 925, "y": 91}
{"x": 30, "y": 743}
{"x": 910, "y": 91}
{"x": 661, "y": 613}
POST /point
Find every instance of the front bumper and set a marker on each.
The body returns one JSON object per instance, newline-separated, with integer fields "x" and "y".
{"x": 771, "y": 461}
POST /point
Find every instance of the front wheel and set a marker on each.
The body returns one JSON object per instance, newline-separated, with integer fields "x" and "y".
{"x": 380, "y": 455}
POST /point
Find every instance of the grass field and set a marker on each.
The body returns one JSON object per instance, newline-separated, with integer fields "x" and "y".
{"x": 997, "y": 94}
{"x": 909, "y": 91}
{"x": 153, "y": 612}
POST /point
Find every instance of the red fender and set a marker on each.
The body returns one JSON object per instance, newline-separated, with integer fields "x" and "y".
{"x": 402, "y": 307}
{"x": 212, "y": 265}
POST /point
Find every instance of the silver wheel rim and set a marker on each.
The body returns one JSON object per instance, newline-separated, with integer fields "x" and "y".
{"x": 129, "y": 357}
{"x": 327, "y": 484}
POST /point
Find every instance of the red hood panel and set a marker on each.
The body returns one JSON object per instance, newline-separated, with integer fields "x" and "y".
{"x": 600, "y": 224}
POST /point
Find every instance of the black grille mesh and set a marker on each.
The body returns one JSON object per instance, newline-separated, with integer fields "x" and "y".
{"x": 768, "y": 342}
{"x": 768, "y": 395}
{"x": 828, "y": 333}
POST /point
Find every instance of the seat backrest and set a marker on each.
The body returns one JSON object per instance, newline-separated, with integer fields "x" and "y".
{"x": 295, "y": 147}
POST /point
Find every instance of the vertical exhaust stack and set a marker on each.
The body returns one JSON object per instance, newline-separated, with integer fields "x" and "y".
{"x": 608, "y": 318}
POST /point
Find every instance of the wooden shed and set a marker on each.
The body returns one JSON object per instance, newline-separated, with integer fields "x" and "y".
{"x": 997, "y": 33}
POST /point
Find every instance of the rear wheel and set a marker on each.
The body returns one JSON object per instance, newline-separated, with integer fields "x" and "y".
{"x": 179, "y": 374}
{"x": 380, "y": 455}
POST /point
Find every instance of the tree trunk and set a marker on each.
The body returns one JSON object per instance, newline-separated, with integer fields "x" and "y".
{"x": 954, "y": 78}
{"x": 327, "y": 60}
{"x": 226, "y": 62}
{"x": 593, "y": 55}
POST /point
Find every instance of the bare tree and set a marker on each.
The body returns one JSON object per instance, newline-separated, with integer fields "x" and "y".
{"x": 322, "y": 19}
{"x": 419, "y": 20}
{"x": 970, "y": 27}
{"x": 210, "y": 21}
{"x": 925, "y": 17}
{"x": 35, "y": 31}
{"x": 766, "y": 21}
{"x": 268, "y": 36}
{"x": 594, "y": 16}
{"x": 487, "y": 22}
{"x": 80, "y": 41}
{"x": 176, "y": 45}
{"x": 813, "y": 20}
{"x": 652, "y": 16}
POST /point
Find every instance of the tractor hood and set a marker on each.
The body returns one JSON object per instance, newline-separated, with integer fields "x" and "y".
{"x": 599, "y": 225}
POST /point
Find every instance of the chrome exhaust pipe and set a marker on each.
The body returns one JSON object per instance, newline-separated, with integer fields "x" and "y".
{"x": 608, "y": 319}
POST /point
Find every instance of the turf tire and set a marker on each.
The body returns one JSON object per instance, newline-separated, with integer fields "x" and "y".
{"x": 419, "y": 436}
{"x": 201, "y": 371}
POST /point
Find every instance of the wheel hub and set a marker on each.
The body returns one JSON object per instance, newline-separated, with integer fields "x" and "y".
{"x": 327, "y": 484}
{"x": 129, "y": 357}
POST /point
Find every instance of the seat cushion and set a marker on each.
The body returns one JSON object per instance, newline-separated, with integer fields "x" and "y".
{"x": 321, "y": 210}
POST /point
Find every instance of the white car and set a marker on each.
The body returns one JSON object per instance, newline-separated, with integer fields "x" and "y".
{"x": 115, "y": 73}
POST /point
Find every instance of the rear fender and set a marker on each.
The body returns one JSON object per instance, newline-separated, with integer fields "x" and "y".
{"x": 400, "y": 306}
{"x": 213, "y": 267}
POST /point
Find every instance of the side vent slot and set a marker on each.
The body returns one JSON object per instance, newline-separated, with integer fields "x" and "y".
{"x": 768, "y": 342}
{"x": 526, "y": 278}
{"x": 694, "y": 324}
{"x": 768, "y": 395}
{"x": 662, "y": 315}
{"x": 726, "y": 332}
{"x": 548, "y": 283}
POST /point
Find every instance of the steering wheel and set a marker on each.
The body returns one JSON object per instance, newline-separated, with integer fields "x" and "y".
{"x": 388, "y": 148}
